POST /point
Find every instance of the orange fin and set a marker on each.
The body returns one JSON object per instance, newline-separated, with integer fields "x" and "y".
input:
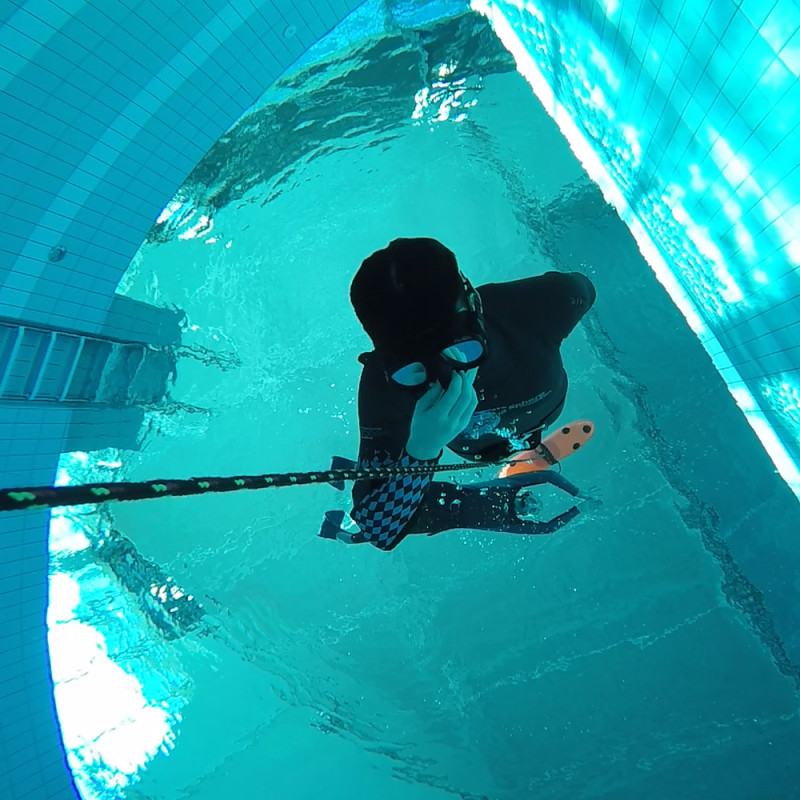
{"x": 560, "y": 444}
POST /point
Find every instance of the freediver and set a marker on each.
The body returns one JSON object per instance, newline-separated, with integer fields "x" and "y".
{"x": 478, "y": 371}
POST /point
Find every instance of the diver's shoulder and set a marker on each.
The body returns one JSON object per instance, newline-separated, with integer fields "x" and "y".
{"x": 372, "y": 373}
{"x": 539, "y": 284}
{"x": 380, "y": 403}
{"x": 512, "y": 288}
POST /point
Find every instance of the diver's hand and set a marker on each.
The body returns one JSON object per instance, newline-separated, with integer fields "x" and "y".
{"x": 440, "y": 415}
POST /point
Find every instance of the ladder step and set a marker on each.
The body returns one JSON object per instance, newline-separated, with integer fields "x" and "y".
{"x": 43, "y": 365}
{"x": 71, "y": 371}
{"x": 57, "y": 366}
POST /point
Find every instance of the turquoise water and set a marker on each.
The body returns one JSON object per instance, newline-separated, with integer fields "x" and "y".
{"x": 627, "y": 656}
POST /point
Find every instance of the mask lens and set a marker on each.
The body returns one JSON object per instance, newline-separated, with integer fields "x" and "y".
{"x": 411, "y": 375}
{"x": 464, "y": 352}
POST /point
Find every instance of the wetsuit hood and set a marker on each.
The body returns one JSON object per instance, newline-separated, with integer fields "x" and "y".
{"x": 413, "y": 301}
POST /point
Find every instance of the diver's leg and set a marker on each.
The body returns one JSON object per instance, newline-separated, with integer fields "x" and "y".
{"x": 534, "y": 437}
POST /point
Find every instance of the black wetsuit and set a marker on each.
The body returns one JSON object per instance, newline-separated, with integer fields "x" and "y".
{"x": 521, "y": 388}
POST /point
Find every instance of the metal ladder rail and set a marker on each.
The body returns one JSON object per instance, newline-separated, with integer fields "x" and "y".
{"x": 20, "y": 332}
{"x": 71, "y": 371}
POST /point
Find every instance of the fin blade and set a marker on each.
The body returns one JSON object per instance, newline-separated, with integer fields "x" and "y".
{"x": 331, "y": 524}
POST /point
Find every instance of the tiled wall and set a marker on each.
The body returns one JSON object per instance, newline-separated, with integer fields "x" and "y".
{"x": 105, "y": 107}
{"x": 687, "y": 114}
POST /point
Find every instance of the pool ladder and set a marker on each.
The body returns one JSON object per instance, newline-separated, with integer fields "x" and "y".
{"x": 49, "y": 366}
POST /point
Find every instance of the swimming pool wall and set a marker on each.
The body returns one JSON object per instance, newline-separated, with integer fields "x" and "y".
{"x": 104, "y": 114}
{"x": 686, "y": 114}
{"x": 106, "y": 108}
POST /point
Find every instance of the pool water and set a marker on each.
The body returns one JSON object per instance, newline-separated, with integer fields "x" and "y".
{"x": 626, "y": 656}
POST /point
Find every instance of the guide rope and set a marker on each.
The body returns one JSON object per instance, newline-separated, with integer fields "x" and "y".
{"x": 39, "y": 497}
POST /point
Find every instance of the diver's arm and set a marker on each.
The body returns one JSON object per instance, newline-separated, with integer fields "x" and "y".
{"x": 439, "y": 415}
{"x": 490, "y": 505}
{"x": 383, "y": 512}
{"x": 382, "y": 507}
